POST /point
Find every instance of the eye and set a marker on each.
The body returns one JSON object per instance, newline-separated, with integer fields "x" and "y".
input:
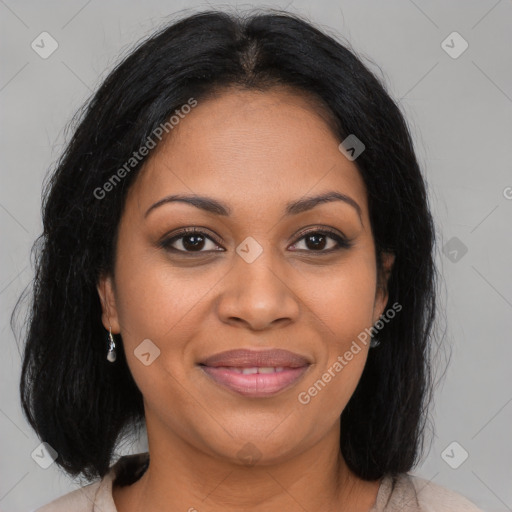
{"x": 190, "y": 240}
{"x": 317, "y": 240}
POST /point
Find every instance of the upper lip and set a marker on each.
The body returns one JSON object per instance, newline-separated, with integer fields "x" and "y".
{"x": 245, "y": 358}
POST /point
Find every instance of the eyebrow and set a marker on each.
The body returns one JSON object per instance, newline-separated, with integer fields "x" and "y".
{"x": 216, "y": 207}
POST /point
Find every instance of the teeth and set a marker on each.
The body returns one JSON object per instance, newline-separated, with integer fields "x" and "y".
{"x": 249, "y": 371}
{"x": 255, "y": 369}
{"x": 268, "y": 369}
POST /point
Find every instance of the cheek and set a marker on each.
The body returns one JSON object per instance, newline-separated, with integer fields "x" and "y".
{"x": 344, "y": 299}
{"x": 154, "y": 299}
{"x": 326, "y": 393}
{"x": 343, "y": 305}
{"x": 153, "y": 304}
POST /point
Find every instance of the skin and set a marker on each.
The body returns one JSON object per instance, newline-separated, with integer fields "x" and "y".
{"x": 255, "y": 152}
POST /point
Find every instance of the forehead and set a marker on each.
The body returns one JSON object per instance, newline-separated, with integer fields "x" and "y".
{"x": 250, "y": 147}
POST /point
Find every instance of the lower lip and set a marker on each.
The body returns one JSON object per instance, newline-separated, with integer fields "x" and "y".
{"x": 255, "y": 384}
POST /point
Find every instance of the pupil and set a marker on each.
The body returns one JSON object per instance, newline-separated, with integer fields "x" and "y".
{"x": 316, "y": 244}
{"x": 193, "y": 242}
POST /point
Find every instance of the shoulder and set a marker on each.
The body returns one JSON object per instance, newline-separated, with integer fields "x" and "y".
{"x": 98, "y": 495}
{"x": 79, "y": 500}
{"x": 436, "y": 498}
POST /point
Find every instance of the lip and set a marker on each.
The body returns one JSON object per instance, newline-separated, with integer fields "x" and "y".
{"x": 225, "y": 369}
{"x": 245, "y": 358}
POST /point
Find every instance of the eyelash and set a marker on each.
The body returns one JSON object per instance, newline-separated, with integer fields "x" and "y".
{"x": 342, "y": 242}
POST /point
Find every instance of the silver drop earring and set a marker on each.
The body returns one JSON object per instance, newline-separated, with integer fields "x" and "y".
{"x": 111, "y": 354}
{"x": 374, "y": 342}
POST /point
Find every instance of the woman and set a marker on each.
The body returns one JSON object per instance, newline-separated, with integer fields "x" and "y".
{"x": 237, "y": 254}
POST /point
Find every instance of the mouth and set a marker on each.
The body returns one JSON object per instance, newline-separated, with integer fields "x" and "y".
{"x": 253, "y": 373}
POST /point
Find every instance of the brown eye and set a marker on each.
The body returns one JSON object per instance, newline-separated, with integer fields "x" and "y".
{"x": 316, "y": 241}
{"x": 322, "y": 242}
{"x": 190, "y": 241}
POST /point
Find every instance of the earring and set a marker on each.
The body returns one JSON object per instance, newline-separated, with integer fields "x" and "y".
{"x": 111, "y": 354}
{"x": 374, "y": 342}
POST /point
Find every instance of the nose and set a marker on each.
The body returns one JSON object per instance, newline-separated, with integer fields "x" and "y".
{"x": 257, "y": 296}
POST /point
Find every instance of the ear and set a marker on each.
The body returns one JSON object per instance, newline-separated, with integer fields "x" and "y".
{"x": 382, "y": 294}
{"x": 109, "y": 315}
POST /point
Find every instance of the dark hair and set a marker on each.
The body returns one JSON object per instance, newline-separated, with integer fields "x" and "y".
{"x": 79, "y": 403}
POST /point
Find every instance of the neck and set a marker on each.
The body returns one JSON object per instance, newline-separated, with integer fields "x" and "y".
{"x": 181, "y": 477}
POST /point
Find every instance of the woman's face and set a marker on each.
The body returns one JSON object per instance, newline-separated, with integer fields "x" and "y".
{"x": 260, "y": 274}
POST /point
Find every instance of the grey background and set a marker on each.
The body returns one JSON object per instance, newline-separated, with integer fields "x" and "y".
{"x": 460, "y": 112}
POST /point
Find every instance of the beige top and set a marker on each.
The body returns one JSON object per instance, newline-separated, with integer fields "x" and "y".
{"x": 402, "y": 493}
